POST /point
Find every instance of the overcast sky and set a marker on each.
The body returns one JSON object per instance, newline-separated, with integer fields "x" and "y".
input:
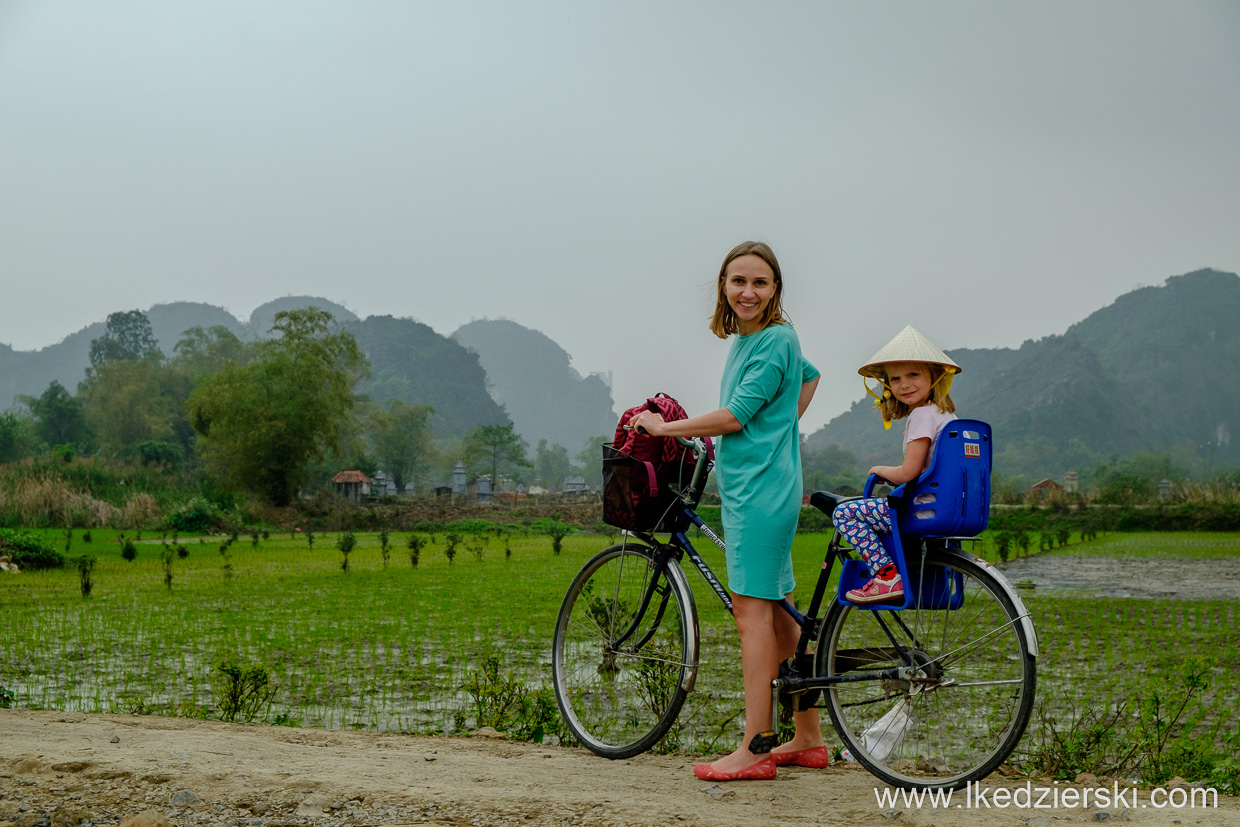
{"x": 990, "y": 172}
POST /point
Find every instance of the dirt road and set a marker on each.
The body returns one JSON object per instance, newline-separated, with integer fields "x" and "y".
{"x": 68, "y": 769}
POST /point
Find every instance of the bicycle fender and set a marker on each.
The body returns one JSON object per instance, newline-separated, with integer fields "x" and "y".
{"x": 677, "y": 576}
{"x": 1026, "y": 621}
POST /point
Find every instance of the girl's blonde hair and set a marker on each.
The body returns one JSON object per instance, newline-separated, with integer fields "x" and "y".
{"x": 892, "y": 408}
{"x": 724, "y": 323}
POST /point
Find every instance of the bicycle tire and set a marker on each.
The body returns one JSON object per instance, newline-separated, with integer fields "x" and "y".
{"x": 977, "y": 686}
{"x": 621, "y": 701}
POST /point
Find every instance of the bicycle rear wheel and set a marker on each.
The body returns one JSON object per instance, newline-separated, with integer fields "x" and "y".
{"x": 620, "y": 697}
{"x": 964, "y": 710}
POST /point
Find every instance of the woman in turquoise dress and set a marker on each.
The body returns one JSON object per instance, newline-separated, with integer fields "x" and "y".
{"x": 767, "y": 385}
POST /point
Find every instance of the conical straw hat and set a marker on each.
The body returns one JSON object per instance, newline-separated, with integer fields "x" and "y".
{"x": 909, "y": 345}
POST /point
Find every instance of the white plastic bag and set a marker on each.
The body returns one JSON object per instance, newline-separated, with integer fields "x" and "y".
{"x": 883, "y": 736}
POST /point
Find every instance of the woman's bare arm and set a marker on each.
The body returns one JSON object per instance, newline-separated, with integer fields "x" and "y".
{"x": 807, "y": 394}
{"x": 712, "y": 424}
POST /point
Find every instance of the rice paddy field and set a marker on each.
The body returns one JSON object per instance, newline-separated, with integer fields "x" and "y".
{"x": 393, "y": 648}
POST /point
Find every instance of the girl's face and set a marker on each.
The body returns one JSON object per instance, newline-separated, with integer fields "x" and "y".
{"x": 749, "y": 285}
{"x": 909, "y": 382}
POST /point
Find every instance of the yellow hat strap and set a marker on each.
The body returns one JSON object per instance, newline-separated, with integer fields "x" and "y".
{"x": 878, "y": 400}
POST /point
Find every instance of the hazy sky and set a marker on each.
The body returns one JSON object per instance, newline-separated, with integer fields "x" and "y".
{"x": 990, "y": 172}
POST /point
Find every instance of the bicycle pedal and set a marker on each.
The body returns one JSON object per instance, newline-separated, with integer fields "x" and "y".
{"x": 763, "y": 742}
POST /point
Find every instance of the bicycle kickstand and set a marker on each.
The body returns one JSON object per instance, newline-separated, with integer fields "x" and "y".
{"x": 764, "y": 742}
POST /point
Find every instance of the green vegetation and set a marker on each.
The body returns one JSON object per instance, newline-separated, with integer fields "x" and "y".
{"x": 264, "y": 422}
{"x": 29, "y": 551}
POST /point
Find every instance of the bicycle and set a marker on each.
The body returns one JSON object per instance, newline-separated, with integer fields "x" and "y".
{"x": 933, "y": 692}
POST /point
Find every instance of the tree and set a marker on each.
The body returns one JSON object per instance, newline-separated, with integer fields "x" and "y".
{"x": 201, "y": 353}
{"x": 131, "y": 402}
{"x": 59, "y": 417}
{"x": 401, "y": 436}
{"x": 551, "y": 464}
{"x": 262, "y": 423}
{"x": 590, "y": 460}
{"x": 16, "y": 436}
{"x": 491, "y": 449}
{"x": 127, "y": 337}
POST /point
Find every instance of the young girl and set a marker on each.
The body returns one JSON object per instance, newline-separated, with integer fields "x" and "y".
{"x": 916, "y": 377}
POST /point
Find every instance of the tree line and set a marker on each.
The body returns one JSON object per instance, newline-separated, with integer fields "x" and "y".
{"x": 266, "y": 418}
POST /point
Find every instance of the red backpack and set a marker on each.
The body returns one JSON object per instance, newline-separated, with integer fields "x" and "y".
{"x": 640, "y": 470}
{"x": 646, "y": 448}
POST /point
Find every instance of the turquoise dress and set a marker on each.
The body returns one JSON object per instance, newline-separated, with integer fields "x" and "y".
{"x": 759, "y": 467}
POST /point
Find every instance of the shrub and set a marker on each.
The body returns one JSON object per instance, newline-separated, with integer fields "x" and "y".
{"x": 85, "y": 567}
{"x": 196, "y": 515}
{"x": 29, "y": 551}
{"x": 555, "y": 529}
{"x": 129, "y": 551}
{"x": 346, "y": 544}
{"x": 503, "y": 701}
{"x": 416, "y": 543}
{"x": 243, "y": 691}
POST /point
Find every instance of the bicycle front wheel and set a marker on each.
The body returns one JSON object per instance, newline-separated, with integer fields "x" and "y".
{"x": 960, "y": 712}
{"x": 620, "y": 678}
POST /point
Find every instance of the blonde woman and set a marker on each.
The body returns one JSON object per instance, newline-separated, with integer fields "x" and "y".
{"x": 767, "y": 385}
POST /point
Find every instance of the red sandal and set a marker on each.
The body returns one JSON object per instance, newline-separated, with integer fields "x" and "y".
{"x": 764, "y": 770}
{"x": 815, "y": 758}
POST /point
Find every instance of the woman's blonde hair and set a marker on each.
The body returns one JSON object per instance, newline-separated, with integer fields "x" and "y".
{"x": 892, "y": 408}
{"x": 724, "y": 323}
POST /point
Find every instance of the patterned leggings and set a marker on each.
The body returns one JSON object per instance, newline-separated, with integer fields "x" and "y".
{"x": 861, "y": 521}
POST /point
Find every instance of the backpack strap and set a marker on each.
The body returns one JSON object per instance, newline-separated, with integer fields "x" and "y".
{"x": 653, "y": 478}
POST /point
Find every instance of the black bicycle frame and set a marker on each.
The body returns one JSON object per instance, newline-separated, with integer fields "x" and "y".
{"x": 810, "y": 624}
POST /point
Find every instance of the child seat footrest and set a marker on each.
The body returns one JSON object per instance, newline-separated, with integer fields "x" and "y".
{"x": 942, "y": 588}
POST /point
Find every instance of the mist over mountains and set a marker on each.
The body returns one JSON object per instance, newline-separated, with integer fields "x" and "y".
{"x": 1150, "y": 373}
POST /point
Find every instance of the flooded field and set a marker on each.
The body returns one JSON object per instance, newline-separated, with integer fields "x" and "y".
{"x": 396, "y": 648}
{"x": 1140, "y": 577}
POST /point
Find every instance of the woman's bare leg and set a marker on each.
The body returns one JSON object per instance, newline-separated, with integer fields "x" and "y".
{"x": 808, "y": 722}
{"x": 755, "y": 621}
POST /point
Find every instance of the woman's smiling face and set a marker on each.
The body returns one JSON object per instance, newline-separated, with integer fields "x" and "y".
{"x": 749, "y": 286}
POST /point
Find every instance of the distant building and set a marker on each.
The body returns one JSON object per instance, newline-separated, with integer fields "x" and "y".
{"x": 483, "y": 486}
{"x": 385, "y": 486}
{"x": 460, "y": 482}
{"x": 575, "y": 484}
{"x": 1071, "y": 483}
{"x": 353, "y": 485}
{"x": 1047, "y": 486}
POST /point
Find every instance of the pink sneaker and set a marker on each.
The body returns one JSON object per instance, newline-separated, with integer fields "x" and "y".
{"x": 880, "y": 588}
